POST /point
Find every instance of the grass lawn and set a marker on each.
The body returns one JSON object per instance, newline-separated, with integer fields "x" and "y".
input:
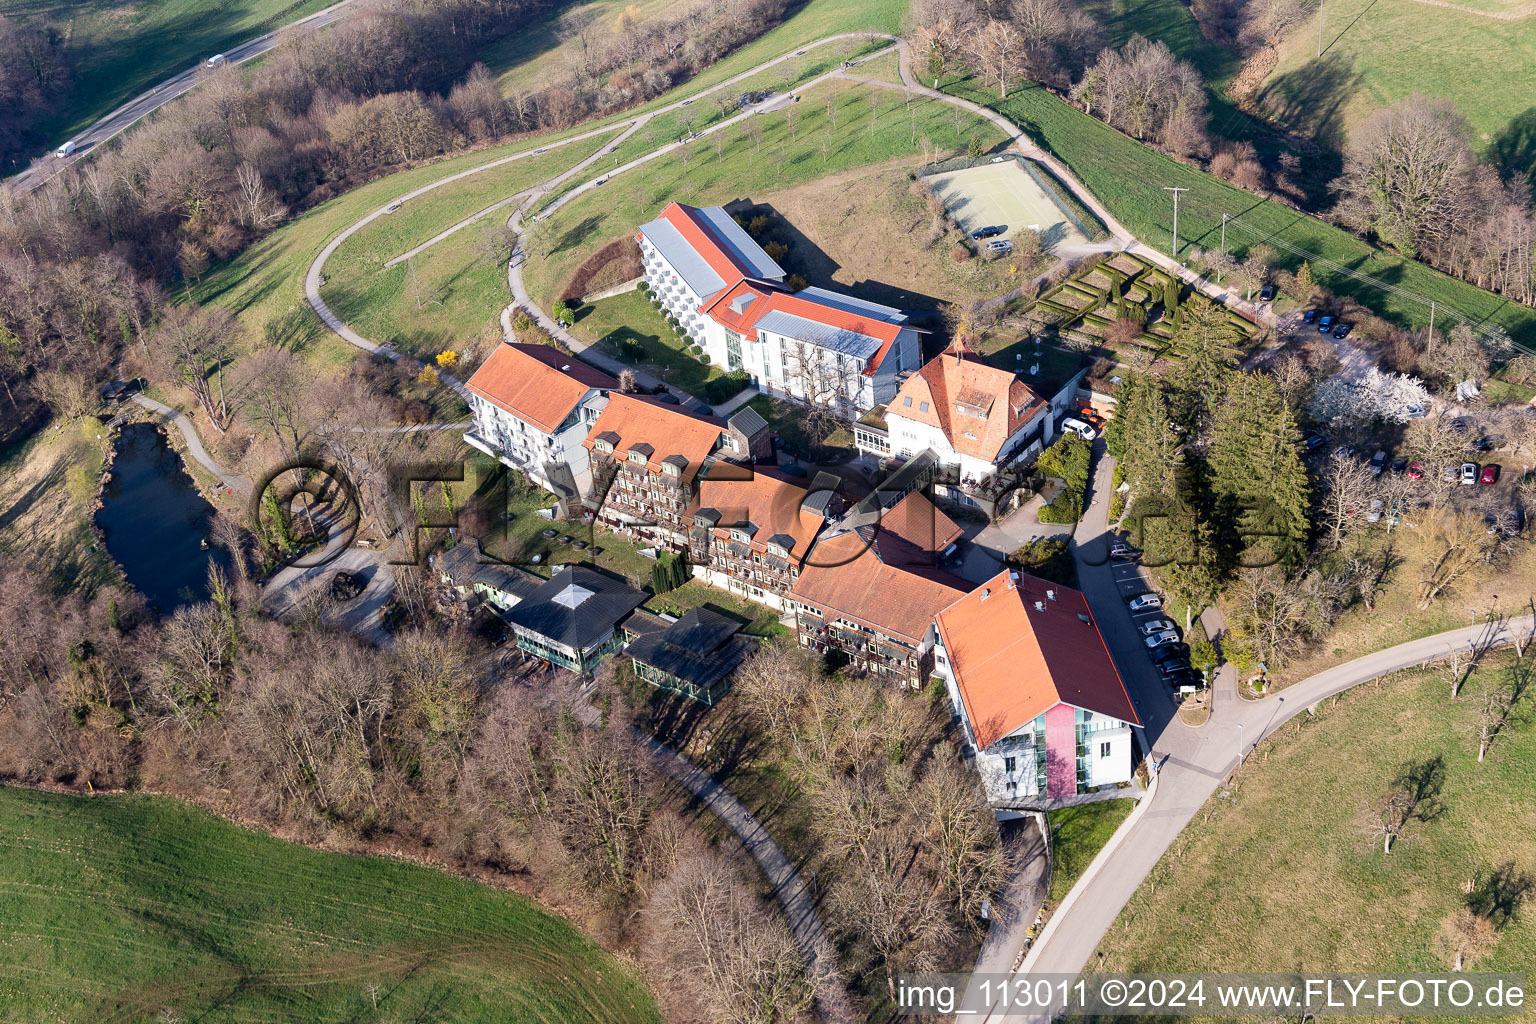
{"x": 1378, "y": 54}
{"x": 119, "y": 907}
{"x": 265, "y": 282}
{"x": 787, "y": 420}
{"x": 1129, "y": 178}
{"x": 785, "y": 158}
{"x": 1280, "y": 877}
{"x": 815, "y": 19}
{"x": 756, "y": 619}
{"x": 1077, "y": 835}
{"x": 884, "y": 68}
{"x": 47, "y": 483}
{"x": 1396, "y": 619}
{"x": 124, "y": 49}
{"x": 630, "y": 316}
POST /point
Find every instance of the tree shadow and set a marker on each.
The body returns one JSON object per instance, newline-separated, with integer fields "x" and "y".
{"x": 576, "y": 234}
{"x": 1423, "y": 781}
{"x": 1498, "y": 892}
{"x": 1513, "y": 150}
{"x": 1311, "y": 98}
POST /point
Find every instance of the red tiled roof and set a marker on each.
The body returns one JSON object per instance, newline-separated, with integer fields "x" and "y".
{"x": 664, "y": 429}
{"x": 768, "y": 501}
{"x": 1013, "y": 661}
{"x": 846, "y": 576}
{"x": 536, "y": 383}
{"x": 745, "y": 322}
{"x": 978, "y": 407}
{"x": 913, "y": 531}
{"x": 697, "y": 233}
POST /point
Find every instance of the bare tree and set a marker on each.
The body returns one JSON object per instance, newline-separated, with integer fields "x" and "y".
{"x": 998, "y": 50}
{"x": 1346, "y": 487}
{"x": 1414, "y": 795}
{"x": 195, "y": 344}
{"x": 714, "y": 938}
{"x": 1465, "y": 937}
{"x": 1493, "y": 708}
{"x": 1453, "y": 545}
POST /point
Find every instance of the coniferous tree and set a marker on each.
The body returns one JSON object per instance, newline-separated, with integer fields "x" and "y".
{"x": 1207, "y": 342}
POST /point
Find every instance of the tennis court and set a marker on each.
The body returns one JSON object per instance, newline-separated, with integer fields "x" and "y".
{"x": 1005, "y": 195}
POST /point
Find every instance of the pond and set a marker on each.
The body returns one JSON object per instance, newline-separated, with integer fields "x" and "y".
{"x": 155, "y": 521}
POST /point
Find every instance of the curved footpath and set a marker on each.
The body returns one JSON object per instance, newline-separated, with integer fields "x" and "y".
{"x": 232, "y": 482}
{"x": 831, "y": 998}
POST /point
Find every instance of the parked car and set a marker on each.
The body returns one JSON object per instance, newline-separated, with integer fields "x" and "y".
{"x": 1079, "y": 428}
{"x": 1398, "y": 465}
{"x": 1174, "y": 668}
{"x": 1325, "y": 324}
{"x": 1168, "y": 636}
{"x": 1342, "y": 331}
{"x": 214, "y": 61}
{"x": 1123, "y": 552}
{"x": 1313, "y": 440}
{"x": 1000, "y": 246}
{"x": 1170, "y": 652}
{"x": 991, "y": 231}
{"x": 1468, "y": 473}
{"x": 1146, "y": 603}
{"x": 1309, "y": 317}
{"x": 1343, "y": 451}
{"x": 1374, "y": 515}
{"x": 1378, "y": 462}
{"x": 1491, "y": 473}
{"x": 1156, "y": 626}
{"x": 1267, "y": 293}
{"x": 392, "y": 207}
{"x": 1415, "y": 470}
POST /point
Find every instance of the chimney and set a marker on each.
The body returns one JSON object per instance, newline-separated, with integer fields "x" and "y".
{"x": 986, "y": 592}
{"x": 1050, "y": 595}
{"x": 1013, "y": 581}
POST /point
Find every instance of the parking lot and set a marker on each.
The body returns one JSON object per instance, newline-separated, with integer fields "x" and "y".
{"x": 1132, "y": 580}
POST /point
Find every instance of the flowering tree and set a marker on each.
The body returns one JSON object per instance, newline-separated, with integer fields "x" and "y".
{"x": 1390, "y": 397}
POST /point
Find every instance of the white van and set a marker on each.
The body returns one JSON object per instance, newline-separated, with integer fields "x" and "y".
{"x": 1079, "y": 428}
{"x": 214, "y": 61}
{"x": 68, "y": 149}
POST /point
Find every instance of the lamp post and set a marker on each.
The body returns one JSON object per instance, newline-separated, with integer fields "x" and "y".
{"x": 1240, "y": 750}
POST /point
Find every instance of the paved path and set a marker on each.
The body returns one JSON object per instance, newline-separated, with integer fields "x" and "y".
{"x": 831, "y": 998}
{"x": 232, "y": 482}
{"x": 49, "y": 165}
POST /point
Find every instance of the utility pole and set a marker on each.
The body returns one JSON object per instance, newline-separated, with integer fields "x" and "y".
{"x": 1224, "y": 233}
{"x": 1175, "y": 191}
{"x": 1319, "y": 28}
{"x": 1431, "y": 338}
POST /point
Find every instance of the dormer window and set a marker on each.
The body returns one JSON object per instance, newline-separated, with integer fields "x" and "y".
{"x": 922, "y": 406}
{"x": 671, "y": 470}
{"x": 637, "y": 458}
{"x": 603, "y": 446}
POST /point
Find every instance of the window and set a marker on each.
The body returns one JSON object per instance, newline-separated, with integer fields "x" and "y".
{"x": 1103, "y": 750}
{"x": 733, "y": 350}
{"x": 922, "y": 407}
{"x": 1008, "y": 765}
{"x": 906, "y": 403}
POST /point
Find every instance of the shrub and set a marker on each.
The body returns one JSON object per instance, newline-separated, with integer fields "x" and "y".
{"x": 644, "y": 288}
{"x": 725, "y": 386}
{"x": 959, "y": 254}
{"x": 1048, "y": 558}
{"x": 776, "y": 250}
{"x": 521, "y": 321}
{"x": 795, "y": 282}
{"x": 670, "y": 572}
{"x": 1066, "y": 460}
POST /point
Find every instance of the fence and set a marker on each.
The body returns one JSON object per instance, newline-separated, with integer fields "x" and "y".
{"x": 1042, "y": 178}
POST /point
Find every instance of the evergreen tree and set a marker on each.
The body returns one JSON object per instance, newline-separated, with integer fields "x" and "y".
{"x": 1207, "y": 342}
{"x": 1258, "y": 490}
{"x": 1305, "y": 283}
{"x": 1171, "y": 297}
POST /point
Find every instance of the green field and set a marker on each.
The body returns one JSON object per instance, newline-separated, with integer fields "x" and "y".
{"x": 123, "y": 49}
{"x": 134, "y": 908}
{"x": 1377, "y": 54}
{"x": 745, "y": 170}
{"x": 458, "y": 289}
{"x": 1280, "y": 877}
{"x": 1129, "y": 179}
{"x": 266, "y": 281}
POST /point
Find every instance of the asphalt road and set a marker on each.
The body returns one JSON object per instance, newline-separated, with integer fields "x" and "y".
{"x": 49, "y": 165}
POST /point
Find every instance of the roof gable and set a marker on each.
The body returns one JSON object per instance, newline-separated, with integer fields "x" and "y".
{"x": 536, "y": 383}
{"x": 977, "y": 406}
{"x": 771, "y": 503}
{"x": 845, "y": 575}
{"x": 1018, "y": 646}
